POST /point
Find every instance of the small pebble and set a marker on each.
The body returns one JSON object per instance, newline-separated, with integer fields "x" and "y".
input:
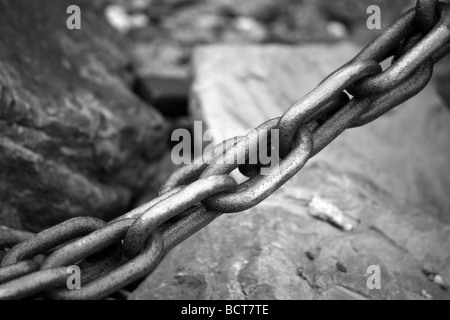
{"x": 337, "y": 30}
{"x": 341, "y": 267}
{"x": 426, "y": 295}
{"x": 311, "y": 256}
{"x": 438, "y": 279}
{"x": 120, "y": 19}
{"x": 324, "y": 210}
{"x": 251, "y": 28}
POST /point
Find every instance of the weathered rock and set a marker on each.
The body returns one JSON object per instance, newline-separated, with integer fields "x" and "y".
{"x": 168, "y": 95}
{"x": 247, "y": 91}
{"x": 353, "y": 13}
{"x": 10, "y": 237}
{"x": 121, "y": 20}
{"x": 161, "y": 58}
{"x": 264, "y": 10}
{"x": 74, "y": 139}
{"x": 163, "y": 47}
{"x": 194, "y": 25}
{"x": 276, "y": 251}
{"x": 388, "y": 179}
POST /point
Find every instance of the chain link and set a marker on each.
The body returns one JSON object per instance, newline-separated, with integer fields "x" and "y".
{"x": 51, "y": 238}
{"x": 255, "y": 190}
{"x": 124, "y": 250}
{"x": 149, "y": 221}
{"x": 409, "y": 61}
{"x": 426, "y": 15}
{"x": 10, "y": 237}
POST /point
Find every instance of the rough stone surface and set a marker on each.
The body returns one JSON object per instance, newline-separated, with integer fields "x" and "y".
{"x": 74, "y": 139}
{"x": 389, "y": 178}
{"x": 353, "y": 14}
{"x": 248, "y": 91}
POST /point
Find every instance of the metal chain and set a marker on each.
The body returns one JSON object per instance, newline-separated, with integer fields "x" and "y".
{"x": 117, "y": 253}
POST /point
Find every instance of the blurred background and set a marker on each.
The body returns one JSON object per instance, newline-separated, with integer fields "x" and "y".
{"x": 167, "y": 31}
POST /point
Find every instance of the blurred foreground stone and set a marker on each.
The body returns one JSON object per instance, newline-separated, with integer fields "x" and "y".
{"x": 389, "y": 179}
{"x": 74, "y": 139}
{"x": 172, "y": 28}
{"x": 442, "y": 79}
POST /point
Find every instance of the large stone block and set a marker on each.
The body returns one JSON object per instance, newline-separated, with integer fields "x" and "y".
{"x": 388, "y": 179}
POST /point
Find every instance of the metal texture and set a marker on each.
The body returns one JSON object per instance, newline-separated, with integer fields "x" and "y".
{"x": 189, "y": 173}
{"x": 149, "y": 221}
{"x": 51, "y": 238}
{"x": 33, "y": 283}
{"x": 87, "y": 246}
{"x": 10, "y": 237}
{"x": 127, "y": 273}
{"x": 17, "y": 270}
{"x": 426, "y": 14}
{"x": 258, "y": 188}
{"x": 411, "y": 60}
{"x": 44, "y": 279}
{"x": 300, "y": 113}
{"x": 394, "y": 97}
{"x": 115, "y": 254}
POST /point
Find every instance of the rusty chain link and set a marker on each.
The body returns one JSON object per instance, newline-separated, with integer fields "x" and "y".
{"x": 115, "y": 254}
